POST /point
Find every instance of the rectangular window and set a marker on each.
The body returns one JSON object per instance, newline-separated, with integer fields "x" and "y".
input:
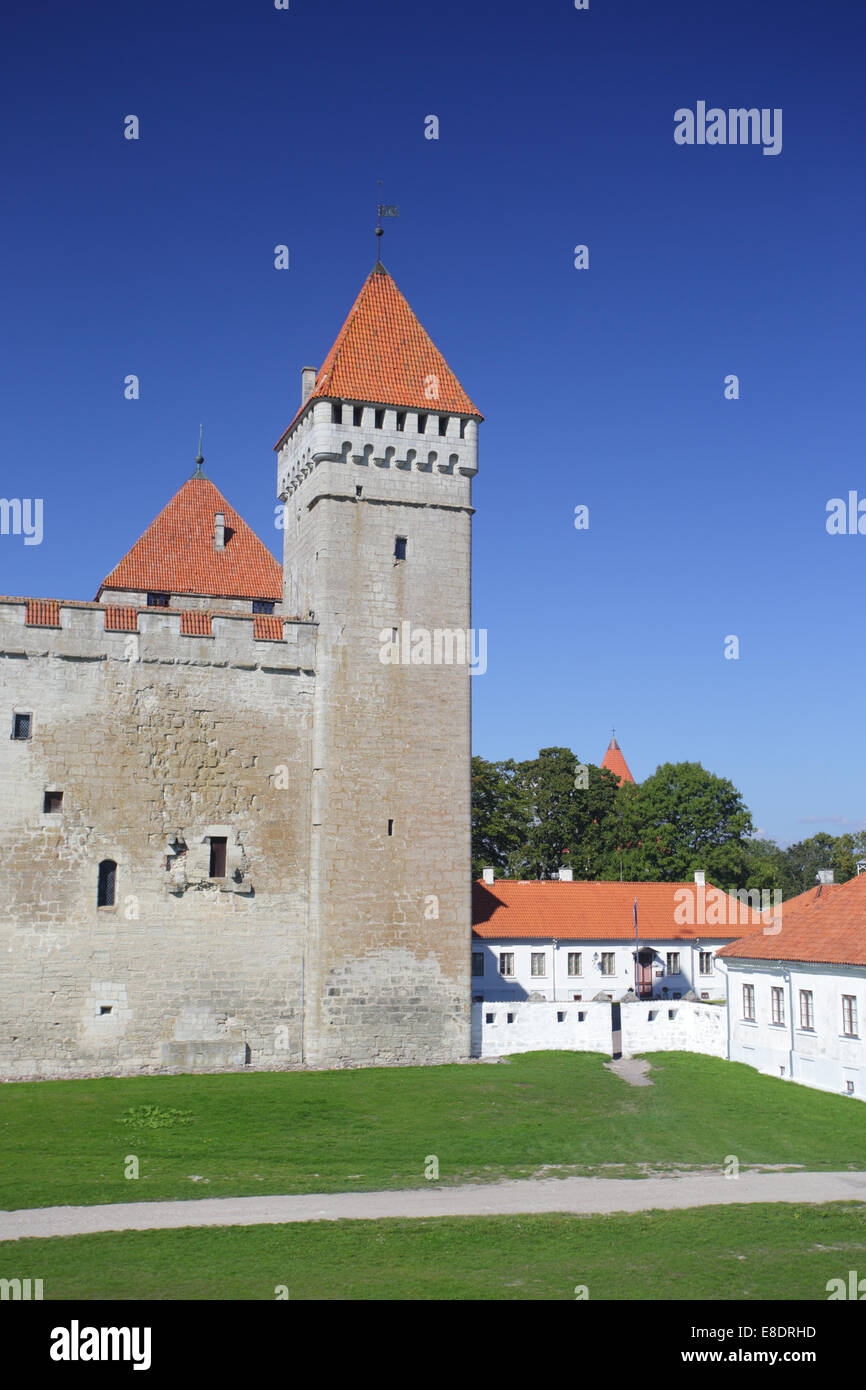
{"x": 400, "y": 548}
{"x": 777, "y": 1005}
{"x": 749, "y": 1002}
{"x": 560, "y": 1018}
{"x": 157, "y": 600}
{"x": 390, "y": 827}
{"x": 337, "y": 413}
{"x": 706, "y": 964}
{"x": 506, "y": 962}
{"x": 21, "y": 726}
{"x": 608, "y": 963}
{"x": 443, "y": 425}
{"x": 477, "y": 963}
{"x": 673, "y": 963}
{"x": 538, "y": 966}
{"x": 379, "y": 418}
{"x": 849, "y": 1016}
{"x": 401, "y": 420}
{"x": 217, "y": 856}
{"x": 422, "y": 423}
{"x": 574, "y": 963}
{"x": 52, "y": 803}
{"x": 807, "y": 1009}
{"x": 357, "y": 416}
{"x": 261, "y": 605}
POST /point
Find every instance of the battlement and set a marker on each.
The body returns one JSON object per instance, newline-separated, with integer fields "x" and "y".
{"x": 78, "y": 631}
{"x": 385, "y": 437}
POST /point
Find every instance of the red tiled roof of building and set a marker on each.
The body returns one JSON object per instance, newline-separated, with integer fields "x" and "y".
{"x": 604, "y": 911}
{"x": 42, "y": 612}
{"x": 616, "y": 763}
{"x": 118, "y": 619}
{"x": 267, "y": 628}
{"x": 828, "y": 929}
{"x": 176, "y": 554}
{"x": 194, "y": 623}
{"x": 382, "y": 354}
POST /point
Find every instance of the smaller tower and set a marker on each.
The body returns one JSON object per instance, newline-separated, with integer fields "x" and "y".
{"x": 614, "y": 761}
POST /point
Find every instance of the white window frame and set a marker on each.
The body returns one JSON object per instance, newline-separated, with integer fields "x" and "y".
{"x": 749, "y": 1003}
{"x": 506, "y": 958}
{"x": 611, "y": 957}
{"x": 777, "y": 1005}
{"x": 534, "y": 958}
{"x": 807, "y": 1009}
{"x": 578, "y": 956}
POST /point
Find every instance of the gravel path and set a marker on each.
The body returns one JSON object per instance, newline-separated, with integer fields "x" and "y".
{"x": 584, "y": 1196}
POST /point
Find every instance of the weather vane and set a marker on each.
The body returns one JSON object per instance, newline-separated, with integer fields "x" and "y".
{"x": 385, "y": 210}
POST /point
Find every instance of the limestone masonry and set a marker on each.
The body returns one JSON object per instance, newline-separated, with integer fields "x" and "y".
{"x": 233, "y": 831}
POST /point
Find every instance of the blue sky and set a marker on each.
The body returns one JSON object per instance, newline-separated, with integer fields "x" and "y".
{"x": 602, "y": 387}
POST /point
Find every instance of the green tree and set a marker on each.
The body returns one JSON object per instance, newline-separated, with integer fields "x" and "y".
{"x": 500, "y": 820}
{"x": 684, "y": 818}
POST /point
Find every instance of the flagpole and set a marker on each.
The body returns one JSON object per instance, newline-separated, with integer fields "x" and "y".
{"x": 636, "y": 952}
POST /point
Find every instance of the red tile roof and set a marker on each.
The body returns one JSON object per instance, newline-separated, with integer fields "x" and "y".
{"x": 829, "y": 928}
{"x": 176, "y": 553}
{"x": 267, "y": 628}
{"x": 118, "y": 619}
{"x": 604, "y": 911}
{"x": 616, "y": 763}
{"x": 42, "y": 612}
{"x": 382, "y": 354}
{"x": 194, "y": 623}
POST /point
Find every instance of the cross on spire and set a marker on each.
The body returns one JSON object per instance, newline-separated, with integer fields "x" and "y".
{"x": 384, "y": 210}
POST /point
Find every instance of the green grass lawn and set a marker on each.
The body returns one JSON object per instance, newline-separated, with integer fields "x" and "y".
{"x": 740, "y": 1252}
{"x": 66, "y": 1142}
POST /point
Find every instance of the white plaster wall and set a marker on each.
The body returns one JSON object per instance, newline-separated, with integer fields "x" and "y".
{"x": 502, "y": 1028}
{"x": 492, "y": 985}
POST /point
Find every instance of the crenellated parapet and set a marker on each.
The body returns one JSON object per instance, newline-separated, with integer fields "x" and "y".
{"x": 379, "y": 437}
{"x": 77, "y": 631}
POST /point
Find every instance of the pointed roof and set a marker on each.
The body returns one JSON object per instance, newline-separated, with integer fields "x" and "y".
{"x": 382, "y": 354}
{"x": 826, "y": 925}
{"x": 616, "y": 763}
{"x": 176, "y": 554}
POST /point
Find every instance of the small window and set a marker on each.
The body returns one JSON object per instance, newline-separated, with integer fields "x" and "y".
{"x": 651, "y": 1015}
{"x": 422, "y": 423}
{"x": 509, "y": 1018}
{"x": 580, "y": 1016}
{"x": 506, "y": 962}
{"x": 777, "y": 1005}
{"x": 608, "y": 963}
{"x": 488, "y": 1018}
{"x": 379, "y": 418}
{"x": 261, "y": 605}
{"x": 401, "y": 420}
{"x": 807, "y": 1010}
{"x": 157, "y": 600}
{"x": 390, "y": 827}
{"x": 849, "y": 1015}
{"x": 538, "y": 964}
{"x": 672, "y": 1013}
{"x": 217, "y": 856}
{"x": 106, "y": 884}
{"x": 400, "y": 548}
{"x": 560, "y": 1018}
{"x": 462, "y": 429}
{"x": 477, "y": 963}
{"x": 21, "y": 726}
{"x": 443, "y": 425}
{"x": 104, "y": 1009}
{"x": 577, "y": 997}
{"x": 357, "y": 416}
{"x": 574, "y": 963}
{"x": 706, "y": 963}
{"x": 749, "y": 1003}
{"x": 337, "y": 412}
{"x": 849, "y": 1087}
{"x": 52, "y": 803}
{"x": 359, "y": 491}
{"x": 673, "y": 963}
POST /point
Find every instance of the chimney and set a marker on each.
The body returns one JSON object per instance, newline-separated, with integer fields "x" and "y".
{"x": 308, "y": 381}
{"x": 824, "y": 875}
{"x": 701, "y": 878}
{"x": 487, "y": 875}
{"x": 566, "y": 875}
{"x": 219, "y": 531}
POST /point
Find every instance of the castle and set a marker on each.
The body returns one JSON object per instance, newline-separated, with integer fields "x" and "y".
{"x": 233, "y": 832}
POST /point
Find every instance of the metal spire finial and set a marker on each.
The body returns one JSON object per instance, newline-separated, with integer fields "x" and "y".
{"x": 199, "y": 460}
{"x": 385, "y": 210}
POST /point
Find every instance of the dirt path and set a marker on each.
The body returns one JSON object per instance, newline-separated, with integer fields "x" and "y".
{"x": 583, "y": 1196}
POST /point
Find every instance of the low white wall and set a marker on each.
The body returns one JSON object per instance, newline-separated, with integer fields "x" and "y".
{"x": 651, "y": 1026}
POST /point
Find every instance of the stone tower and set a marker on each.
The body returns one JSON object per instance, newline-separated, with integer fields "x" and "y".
{"x": 375, "y": 473}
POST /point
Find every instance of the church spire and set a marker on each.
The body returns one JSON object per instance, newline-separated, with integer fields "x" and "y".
{"x": 614, "y": 761}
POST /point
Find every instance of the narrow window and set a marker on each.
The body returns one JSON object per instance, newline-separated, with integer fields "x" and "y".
{"x": 422, "y": 423}
{"x": 477, "y": 963}
{"x": 509, "y": 1018}
{"x": 462, "y": 429}
{"x": 401, "y": 420}
{"x": 673, "y": 962}
{"x": 706, "y": 965}
{"x": 560, "y": 1018}
{"x": 217, "y": 856}
{"x": 107, "y": 883}
{"x": 488, "y": 1018}
{"x": 379, "y": 419}
{"x": 777, "y": 1005}
{"x": 608, "y": 963}
{"x": 261, "y": 605}
{"x": 52, "y": 803}
{"x": 357, "y": 416}
{"x": 443, "y": 425}
{"x": 359, "y": 491}
{"x": 538, "y": 966}
{"x": 749, "y": 1003}
{"x": 337, "y": 412}
{"x": 807, "y": 1010}
{"x": 390, "y": 827}
{"x": 849, "y": 1015}
{"x": 672, "y": 1013}
{"x": 580, "y": 1016}
{"x": 400, "y": 548}
{"x": 849, "y": 1087}
{"x": 574, "y": 963}
{"x": 157, "y": 600}
{"x": 506, "y": 962}
{"x": 104, "y": 1009}
{"x": 21, "y": 726}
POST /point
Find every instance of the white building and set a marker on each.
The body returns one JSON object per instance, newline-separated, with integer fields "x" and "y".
{"x": 797, "y": 997}
{"x": 570, "y": 942}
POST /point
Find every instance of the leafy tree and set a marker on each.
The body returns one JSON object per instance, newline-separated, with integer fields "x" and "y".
{"x": 685, "y": 818}
{"x": 500, "y": 820}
